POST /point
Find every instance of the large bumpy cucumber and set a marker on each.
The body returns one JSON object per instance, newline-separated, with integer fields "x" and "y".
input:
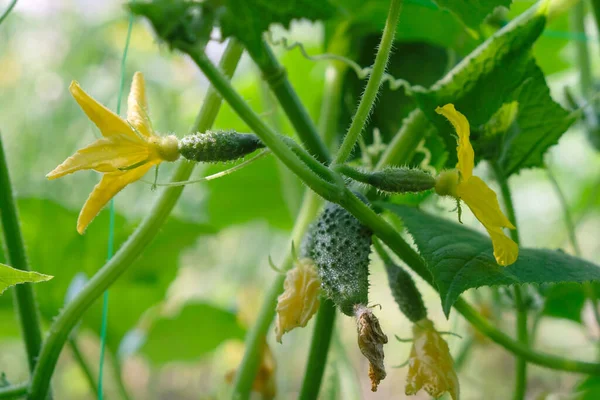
{"x": 340, "y": 248}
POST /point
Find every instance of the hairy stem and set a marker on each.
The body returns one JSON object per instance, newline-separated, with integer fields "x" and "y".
{"x": 522, "y": 332}
{"x": 255, "y": 336}
{"x": 83, "y": 364}
{"x": 276, "y": 77}
{"x": 130, "y": 250}
{"x": 319, "y": 349}
{"x": 370, "y": 94}
{"x": 24, "y": 295}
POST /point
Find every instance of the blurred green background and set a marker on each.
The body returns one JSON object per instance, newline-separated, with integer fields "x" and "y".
{"x": 177, "y": 318}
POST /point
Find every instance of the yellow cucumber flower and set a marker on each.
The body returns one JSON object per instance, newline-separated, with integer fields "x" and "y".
{"x": 430, "y": 365}
{"x": 482, "y": 200}
{"x": 300, "y": 298}
{"x": 128, "y": 149}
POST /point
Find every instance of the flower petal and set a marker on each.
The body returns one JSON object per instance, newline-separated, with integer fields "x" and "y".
{"x": 109, "y": 186}
{"x": 506, "y": 251}
{"x": 104, "y": 155}
{"x": 430, "y": 364}
{"x": 466, "y": 156}
{"x": 137, "y": 106}
{"x": 108, "y": 122}
{"x": 483, "y": 202}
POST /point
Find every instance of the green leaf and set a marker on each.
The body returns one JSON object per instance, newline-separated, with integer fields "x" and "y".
{"x": 460, "y": 258}
{"x": 197, "y": 330}
{"x": 472, "y": 12}
{"x": 65, "y": 253}
{"x": 540, "y": 122}
{"x": 248, "y": 19}
{"x": 482, "y": 82}
{"x": 10, "y": 276}
{"x": 177, "y": 22}
{"x": 565, "y": 301}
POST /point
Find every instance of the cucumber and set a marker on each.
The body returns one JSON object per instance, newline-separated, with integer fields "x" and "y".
{"x": 341, "y": 246}
{"x": 215, "y": 146}
{"x": 405, "y": 293}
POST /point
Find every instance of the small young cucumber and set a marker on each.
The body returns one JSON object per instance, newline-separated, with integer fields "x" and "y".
{"x": 215, "y": 146}
{"x": 394, "y": 180}
{"x": 405, "y": 293}
{"x": 340, "y": 248}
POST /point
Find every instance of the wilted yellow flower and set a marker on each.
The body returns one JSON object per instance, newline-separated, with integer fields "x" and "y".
{"x": 430, "y": 365}
{"x": 128, "y": 149}
{"x": 474, "y": 192}
{"x": 370, "y": 342}
{"x": 300, "y": 298}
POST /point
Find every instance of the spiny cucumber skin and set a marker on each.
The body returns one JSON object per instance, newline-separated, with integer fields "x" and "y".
{"x": 405, "y": 293}
{"x": 402, "y": 180}
{"x": 216, "y": 146}
{"x": 341, "y": 248}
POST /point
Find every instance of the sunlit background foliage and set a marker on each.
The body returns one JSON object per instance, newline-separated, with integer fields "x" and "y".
{"x": 177, "y": 318}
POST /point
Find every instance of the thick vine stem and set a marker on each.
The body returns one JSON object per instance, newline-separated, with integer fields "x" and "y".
{"x": 24, "y": 295}
{"x": 319, "y": 349}
{"x": 370, "y": 94}
{"x": 276, "y": 77}
{"x": 131, "y": 249}
{"x": 522, "y": 331}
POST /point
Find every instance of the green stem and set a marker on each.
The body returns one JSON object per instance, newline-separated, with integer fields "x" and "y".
{"x": 81, "y": 361}
{"x": 266, "y": 134}
{"x": 319, "y": 349}
{"x": 24, "y": 295}
{"x": 596, "y": 9}
{"x": 588, "y": 287}
{"x": 586, "y": 81}
{"x": 276, "y": 77}
{"x": 520, "y": 349}
{"x": 8, "y": 10}
{"x": 353, "y": 173}
{"x": 402, "y": 147}
{"x": 332, "y": 98}
{"x": 368, "y": 98}
{"x": 522, "y": 332}
{"x": 255, "y": 336}
{"x": 130, "y": 250}
{"x": 14, "y": 391}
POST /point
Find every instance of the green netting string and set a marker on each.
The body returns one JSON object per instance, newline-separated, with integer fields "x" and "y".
{"x": 111, "y": 225}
